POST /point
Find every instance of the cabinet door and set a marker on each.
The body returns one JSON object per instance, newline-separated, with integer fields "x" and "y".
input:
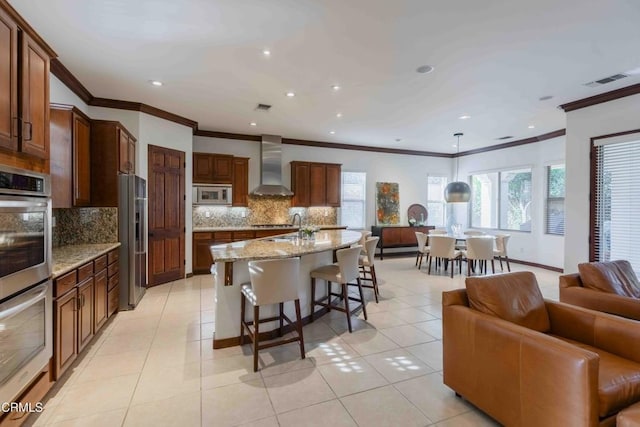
{"x": 317, "y": 184}
{"x": 8, "y": 83}
{"x": 85, "y": 313}
{"x": 201, "y": 255}
{"x": 202, "y": 168}
{"x": 81, "y": 161}
{"x": 132, "y": 156}
{"x": 333, "y": 184}
{"x": 66, "y": 331}
{"x": 123, "y": 152}
{"x": 35, "y": 99}
{"x": 240, "y": 181}
{"x": 100, "y": 300}
{"x": 392, "y": 236}
{"x": 222, "y": 169}
{"x": 300, "y": 184}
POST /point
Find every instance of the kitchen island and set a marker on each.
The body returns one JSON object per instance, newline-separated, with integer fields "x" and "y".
{"x": 230, "y": 270}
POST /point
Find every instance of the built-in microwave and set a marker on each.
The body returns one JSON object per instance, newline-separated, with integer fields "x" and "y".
{"x": 212, "y": 195}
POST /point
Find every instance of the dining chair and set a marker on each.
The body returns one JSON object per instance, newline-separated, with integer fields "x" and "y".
{"x": 422, "y": 247}
{"x": 479, "y": 249}
{"x": 501, "y": 249}
{"x": 444, "y": 247}
{"x": 363, "y": 239}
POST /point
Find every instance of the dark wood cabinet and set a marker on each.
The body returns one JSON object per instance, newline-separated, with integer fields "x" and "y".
{"x": 112, "y": 152}
{"x": 100, "y": 298}
{"x": 201, "y": 255}
{"x": 240, "y": 183}
{"x": 24, "y": 94}
{"x": 113, "y": 279}
{"x": 70, "y": 157}
{"x": 395, "y": 236}
{"x": 66, "y": 331}
{"x": 211, "y": 168}
{"x": 85, "y": 313}
{"x": 315, "y": 184}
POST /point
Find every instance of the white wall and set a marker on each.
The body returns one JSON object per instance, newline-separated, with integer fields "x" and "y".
{"x": 59, "y": 93}
{"x": 602, "y": 119}
{"x": 410, "y": 172}
{"x": 535, "y": 246}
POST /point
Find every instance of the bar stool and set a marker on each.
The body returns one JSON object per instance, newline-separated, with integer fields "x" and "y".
{"x": 344, "y": 273}
{"x": 272, "y": 282}
{"x": 366, "y": 263}
{"x": 363, "y": 239}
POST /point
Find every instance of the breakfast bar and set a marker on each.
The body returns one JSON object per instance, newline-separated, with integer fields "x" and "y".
{"x": 230, "y": 270}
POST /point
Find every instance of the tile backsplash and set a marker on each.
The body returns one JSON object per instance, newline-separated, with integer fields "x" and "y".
{"x": 261, "y": 210}
{"x": 85, "y": 225}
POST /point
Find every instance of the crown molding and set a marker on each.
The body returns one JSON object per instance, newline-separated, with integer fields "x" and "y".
{"x": 143, "y": 108}
{"x": 369, "y": 148}
{"x": 533, "y": 139}
{"x": 64, "y": 75}
{"x": 226, "y": 135}
{"x": 600, "y": 98}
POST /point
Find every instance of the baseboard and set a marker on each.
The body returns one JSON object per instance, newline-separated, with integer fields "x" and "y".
{"x": 189, "y": 275}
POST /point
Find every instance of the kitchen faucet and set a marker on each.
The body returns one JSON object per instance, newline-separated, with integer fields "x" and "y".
{"x": 293, "y": 222}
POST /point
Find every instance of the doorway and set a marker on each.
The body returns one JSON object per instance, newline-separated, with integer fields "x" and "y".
{"x": 166, "y": 215}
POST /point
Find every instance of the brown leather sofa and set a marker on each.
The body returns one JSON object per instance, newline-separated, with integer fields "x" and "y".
{"x": 603, "y": 286}
{"x": 527, "y": 361}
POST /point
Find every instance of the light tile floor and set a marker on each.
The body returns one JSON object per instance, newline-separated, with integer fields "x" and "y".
{"x": 155, "y": 366}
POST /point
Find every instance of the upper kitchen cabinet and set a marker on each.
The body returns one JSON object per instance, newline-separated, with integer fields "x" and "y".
{"x": 240, "y": 192}
{"x": 315, "y": 184}
{"x": 112, "y": 152}
{"x": 212, "y": 168}
{"x": 24, "y": 93}
{"x": 70, "y": 157}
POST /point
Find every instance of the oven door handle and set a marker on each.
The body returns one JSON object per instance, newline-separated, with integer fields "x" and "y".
{"x": 29, "y": 298}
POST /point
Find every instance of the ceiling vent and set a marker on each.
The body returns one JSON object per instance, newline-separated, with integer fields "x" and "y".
{"x": 263, "y": 107}
{"x": 502, "y": 138}
{"x": 606, "y": 80}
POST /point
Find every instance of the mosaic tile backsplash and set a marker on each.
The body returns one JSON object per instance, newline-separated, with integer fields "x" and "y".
{"x": 85, "y": 225}
{"x": 261, "y": 210}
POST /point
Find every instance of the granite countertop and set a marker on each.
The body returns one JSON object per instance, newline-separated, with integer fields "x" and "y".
{"x": 253, "y": 227}
{"x": 66, "y": 258}
{"x": 286, "y": 246}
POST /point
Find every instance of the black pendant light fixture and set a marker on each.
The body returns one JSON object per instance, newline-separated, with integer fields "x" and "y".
{"x": 457, "y": 191}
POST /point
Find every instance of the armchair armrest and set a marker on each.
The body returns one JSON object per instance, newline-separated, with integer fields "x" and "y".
{"x": 601, "y": 301}
{"x": 611, "y": 333}
{"x": 570, "y": 280}
{"x": 512, "y": 372}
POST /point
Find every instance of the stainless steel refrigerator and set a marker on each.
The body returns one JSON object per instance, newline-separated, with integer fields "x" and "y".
{"x": 132, "y": 213}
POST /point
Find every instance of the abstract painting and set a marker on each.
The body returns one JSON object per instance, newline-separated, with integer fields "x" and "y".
{"x": 387, "y": 203}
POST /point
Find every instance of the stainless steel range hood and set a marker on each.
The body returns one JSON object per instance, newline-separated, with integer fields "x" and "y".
{"x": 271, "y": 168}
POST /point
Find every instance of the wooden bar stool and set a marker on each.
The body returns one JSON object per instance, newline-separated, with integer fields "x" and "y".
{"x": 367, "y": 265}
{"x": 344, "y": 273}
{"x": 272, "y": 282}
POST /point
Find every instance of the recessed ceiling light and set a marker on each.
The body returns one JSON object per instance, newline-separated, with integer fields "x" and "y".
{"x": 338, "y": 115}
{"x": 291, "y": 94}
{"x": 545, "y": 98}
{"x": 465, "y": 117}
{"x": 332, "y": 132}
{"x": 335, "y": 87}
{"x": 253, "y": 124}
{"x": 531, "y": 127}
{"x": 156, "y": 82}
{"x": 424, "y": 69}
{"x": 454, "y": 145}
{"x": 398, "y": 139}
{"x": 266, "y": 52}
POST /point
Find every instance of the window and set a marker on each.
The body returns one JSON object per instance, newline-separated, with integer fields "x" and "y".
{"x": 554, "y": 222}
{"x": 436, "y": 205}
{"x": 352, "y": 212}
{"x": 501, "y": 200}
{"x": 615, "y": 214}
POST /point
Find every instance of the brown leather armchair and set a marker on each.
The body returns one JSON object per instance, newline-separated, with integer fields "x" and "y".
{"x": 527, "y": 361}
{"x": 602, "y": 295}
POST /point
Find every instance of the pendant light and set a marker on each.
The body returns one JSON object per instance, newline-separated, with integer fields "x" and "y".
{"x": 457, "y": 191}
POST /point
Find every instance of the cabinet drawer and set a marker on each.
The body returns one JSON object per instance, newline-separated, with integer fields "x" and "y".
{"x": 243, "y": 235}
{"x": 113, "y": 300}
{"x": 85, "y": 272}
{"x": 113, "y": 256}
{"x": 100, "y": 263}
{"x": 64, "y": 283}
{"x": 222, "y": 236}
{"x": 113, "y": 269}
{"x": 113, "y": 281}
{"x": 202, "y": 236}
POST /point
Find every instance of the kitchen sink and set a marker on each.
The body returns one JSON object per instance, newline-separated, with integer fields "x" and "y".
{"x": 282, "y": 239}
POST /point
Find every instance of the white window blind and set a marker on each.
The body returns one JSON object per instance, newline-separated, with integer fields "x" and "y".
{"x": 436, "y": 205}
{"x": 354, "y": 190}
{"x": 554, "y": 217}
{"x": 617, "y": 203}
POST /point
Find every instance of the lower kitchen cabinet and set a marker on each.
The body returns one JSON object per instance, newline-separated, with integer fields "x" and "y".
{"x": 84, "y": 298}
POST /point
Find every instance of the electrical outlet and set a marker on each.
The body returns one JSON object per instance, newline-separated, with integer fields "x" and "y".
{"x": 243, "y": 214}
{"x": 326, "y": 212}
{"x": 207, "y": 214}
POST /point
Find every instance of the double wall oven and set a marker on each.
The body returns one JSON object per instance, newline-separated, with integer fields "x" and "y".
{"x": 26, "y": 341}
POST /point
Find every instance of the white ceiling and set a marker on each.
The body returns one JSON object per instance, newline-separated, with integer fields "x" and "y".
{"x": 493, "y": 60}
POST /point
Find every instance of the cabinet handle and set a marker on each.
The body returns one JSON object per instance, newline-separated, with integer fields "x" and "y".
{"x": 30, "y": 131}
{"x": 77, "y": 304}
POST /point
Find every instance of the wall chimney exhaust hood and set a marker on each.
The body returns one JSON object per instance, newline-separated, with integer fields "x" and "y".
{"x": 271, "y": 168}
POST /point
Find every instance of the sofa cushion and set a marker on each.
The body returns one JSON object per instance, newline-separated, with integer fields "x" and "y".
{"x": 615, "y": 277}
{"x": 618, "y": 380}
{"x": 514, "y": 297}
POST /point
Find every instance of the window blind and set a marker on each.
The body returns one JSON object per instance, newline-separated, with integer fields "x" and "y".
{"x": 554, "y": 216}
{"x": 616, "y": 227}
